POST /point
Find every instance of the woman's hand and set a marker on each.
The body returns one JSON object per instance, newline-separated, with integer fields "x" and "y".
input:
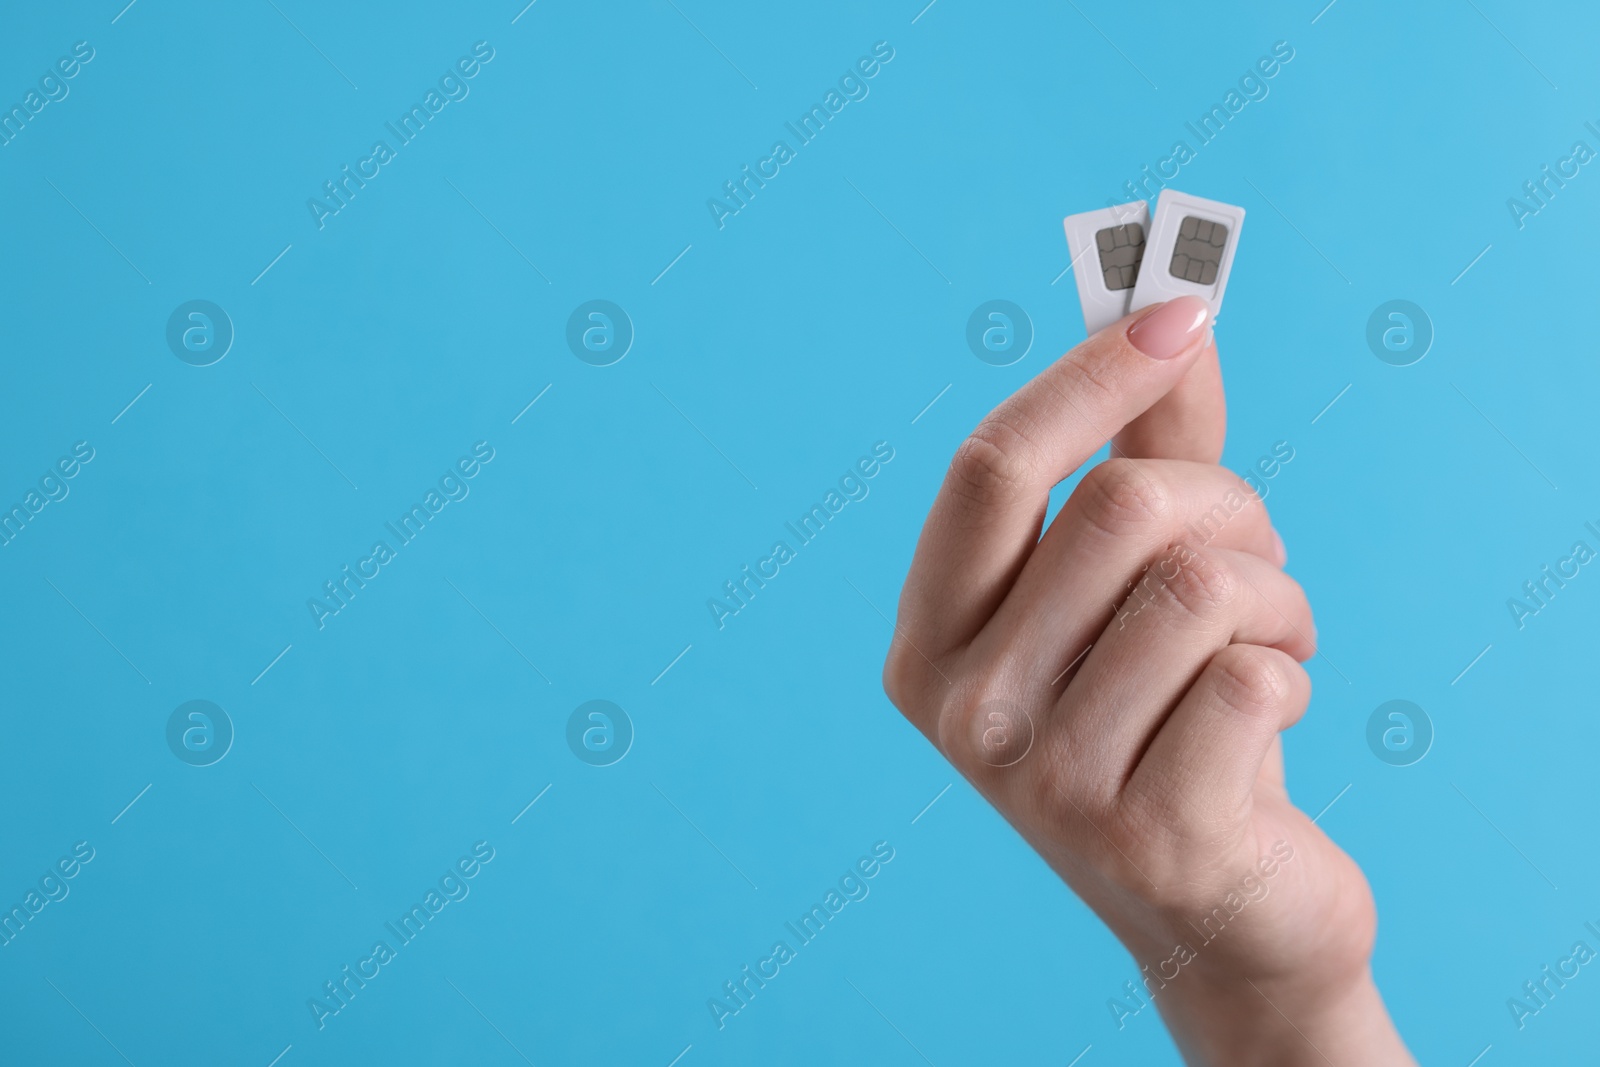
{"x": 1117, "y": 686}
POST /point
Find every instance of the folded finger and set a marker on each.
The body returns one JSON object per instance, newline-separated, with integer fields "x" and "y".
{"x": 1204, "y": 763}
{"x": 1192, "y": 604}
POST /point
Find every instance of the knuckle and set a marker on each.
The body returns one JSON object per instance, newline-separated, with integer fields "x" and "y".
{"x": 1119, "y": 498}
{"x": 898, "y": 678}
{"x": 1198, "y": 582}
{"x": 1077, "y": 377}
{"x": 957, "y": 716}
{"x": 913, "y": 683}
{"x": 1252, "y": 681}
{"x": 984, "y": 726}
{"x": 1119, "y": 839}
{"x": 994, "y": 465}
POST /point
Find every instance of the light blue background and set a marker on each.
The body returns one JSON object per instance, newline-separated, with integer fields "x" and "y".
{"x": 794, "y": 338}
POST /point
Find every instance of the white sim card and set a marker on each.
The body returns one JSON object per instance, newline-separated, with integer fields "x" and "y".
{"x": 1189, "y": 252}
{"x": 1106, "y": 247}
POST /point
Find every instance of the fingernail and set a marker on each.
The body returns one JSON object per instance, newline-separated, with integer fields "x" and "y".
{"x": 1283, "y": 553}
{"x": 1170, "y": 330}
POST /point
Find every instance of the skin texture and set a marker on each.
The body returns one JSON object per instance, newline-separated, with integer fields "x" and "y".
{"x": 1116, "y": 684}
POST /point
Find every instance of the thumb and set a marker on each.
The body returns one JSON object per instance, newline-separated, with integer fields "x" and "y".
{"x": 1189, "y": 422}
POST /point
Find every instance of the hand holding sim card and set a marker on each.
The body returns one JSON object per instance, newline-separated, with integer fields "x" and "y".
{"x": 1156, "y": 729}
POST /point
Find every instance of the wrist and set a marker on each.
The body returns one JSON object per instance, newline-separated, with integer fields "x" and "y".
{"x": 1242, "y": 1022}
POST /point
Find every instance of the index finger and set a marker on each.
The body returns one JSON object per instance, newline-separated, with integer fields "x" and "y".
{"x": 987, "y": 516}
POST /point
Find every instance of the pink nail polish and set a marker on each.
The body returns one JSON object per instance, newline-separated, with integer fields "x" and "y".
{"x": 1283, "y": 553}
{"x": 1170, "y": 330}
